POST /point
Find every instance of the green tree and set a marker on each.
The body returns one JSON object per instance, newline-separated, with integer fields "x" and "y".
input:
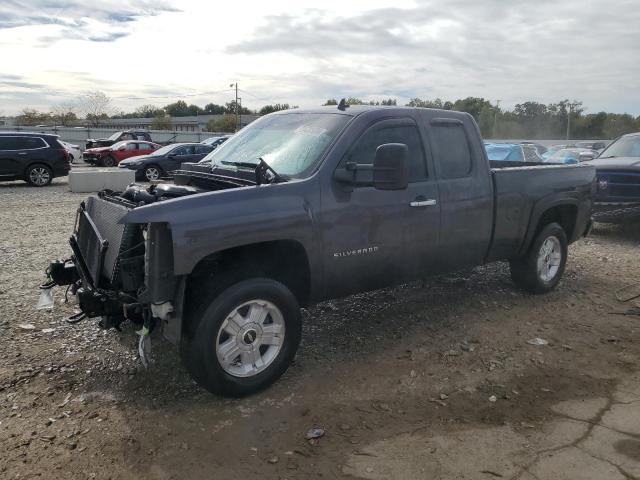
{"x": 31, "y": 116}
{"x": 214, "y": 109}
{"x": 331, "y": 101}
{"x": 227, "y": 123}
{"x": 230, "y": 107}
{"x": 161, "y": 121}
{"x": 275, "y": 108}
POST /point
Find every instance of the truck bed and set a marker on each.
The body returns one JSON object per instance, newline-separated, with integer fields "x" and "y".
{"x": 521, "y": 191}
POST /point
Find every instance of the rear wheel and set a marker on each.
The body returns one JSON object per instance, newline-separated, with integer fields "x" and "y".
{"x": 109, "y": 161}
{"x": 243, "y": 339}
{"x": 540, "y": 270}
{"x": 39, "y": 175}
{"x": 152, "y": 172}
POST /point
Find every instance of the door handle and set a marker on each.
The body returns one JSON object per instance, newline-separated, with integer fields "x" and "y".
{"x": 423, "y": 203}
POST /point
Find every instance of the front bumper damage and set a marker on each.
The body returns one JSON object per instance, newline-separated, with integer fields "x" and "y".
{"x": 121, "y": 272}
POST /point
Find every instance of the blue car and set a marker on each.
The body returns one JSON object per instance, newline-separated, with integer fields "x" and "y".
{"x": 568, "y": 156}
{"x": 513, "y": 152}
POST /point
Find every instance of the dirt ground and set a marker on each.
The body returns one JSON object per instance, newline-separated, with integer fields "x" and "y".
{"x": 431, "y": 380}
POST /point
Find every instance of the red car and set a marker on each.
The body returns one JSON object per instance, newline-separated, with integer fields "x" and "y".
{"x": 111, "y": 156}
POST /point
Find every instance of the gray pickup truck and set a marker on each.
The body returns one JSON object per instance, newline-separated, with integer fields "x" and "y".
{"x": 307, "y": 205}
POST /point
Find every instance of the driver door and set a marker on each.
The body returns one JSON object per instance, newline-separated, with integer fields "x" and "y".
{"x": 376, "y": 238}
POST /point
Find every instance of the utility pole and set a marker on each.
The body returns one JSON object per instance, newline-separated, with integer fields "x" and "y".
{"x": 569, "y": 105}
{"x": 495, "y": 118}
{"x": 240, "y": 115}
{"x": 236, "y": 104}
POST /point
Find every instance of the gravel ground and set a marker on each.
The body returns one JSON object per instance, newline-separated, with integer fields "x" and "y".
{"x": 444, "y": 357}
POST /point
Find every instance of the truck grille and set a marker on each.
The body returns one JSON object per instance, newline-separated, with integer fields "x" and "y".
{"x": 99, "y": 237}
{"x": 618, "y": 186}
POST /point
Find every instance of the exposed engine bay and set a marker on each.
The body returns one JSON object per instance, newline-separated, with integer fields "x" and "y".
{"x": 124, "y": 271}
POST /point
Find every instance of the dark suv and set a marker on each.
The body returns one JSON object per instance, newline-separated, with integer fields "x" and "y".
{"x": 36, "y": 158}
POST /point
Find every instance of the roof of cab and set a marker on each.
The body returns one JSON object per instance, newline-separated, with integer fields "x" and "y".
{"x": 354, "y": 110}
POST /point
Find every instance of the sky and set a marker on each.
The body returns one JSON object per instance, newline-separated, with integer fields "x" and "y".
{"x": 304, "y": 52}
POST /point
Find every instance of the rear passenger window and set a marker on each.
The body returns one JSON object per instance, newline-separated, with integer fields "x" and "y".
{"x": 365, "y": 149}
{"x": 451, "y": 150}
{"x": 8, "y": 143}
{"x": 21, "y": 143}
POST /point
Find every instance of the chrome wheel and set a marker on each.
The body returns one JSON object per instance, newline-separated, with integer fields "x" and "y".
{"x": 39, "y": 176}
{"x": 152, "y": 173}
{"x": 250, "y": 338}
{"x": 549, "y": 258}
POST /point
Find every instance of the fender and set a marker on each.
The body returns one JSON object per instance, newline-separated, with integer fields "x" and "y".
{"x": 205, "y": 223}
{"x": 544, "y": 204}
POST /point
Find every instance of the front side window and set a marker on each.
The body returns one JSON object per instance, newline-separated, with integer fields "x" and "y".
{"x": 132, "y": 146}
{"x": 364, "y": 150}
{"x": 451, "y": 149}
{"x": 145, "y": 146}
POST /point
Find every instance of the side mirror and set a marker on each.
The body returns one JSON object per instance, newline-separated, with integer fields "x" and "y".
{"x": 586, "y": 156}
{"x": 171, "y": 155}
{"x": 390, "y": 167}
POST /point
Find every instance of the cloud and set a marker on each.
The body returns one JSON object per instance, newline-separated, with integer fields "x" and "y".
{"x": 95, "y": 21}
{"x": 509, "y": 50}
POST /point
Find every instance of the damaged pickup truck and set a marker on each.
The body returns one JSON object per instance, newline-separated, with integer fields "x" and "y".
{"x": 306, "y": 205}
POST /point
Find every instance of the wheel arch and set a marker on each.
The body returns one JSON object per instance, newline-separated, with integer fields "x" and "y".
{"x": 285, "y": 261}
{"x": 563, "y": 211}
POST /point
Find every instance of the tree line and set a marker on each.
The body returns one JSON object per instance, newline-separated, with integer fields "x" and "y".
{"x": 530, "y": 119}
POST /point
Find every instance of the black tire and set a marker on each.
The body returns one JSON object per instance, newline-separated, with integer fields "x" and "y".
{"x": 147, "y": 173}
{"x": 525, "y": 272}
{"x": 204, "y": 326}
{"x": 109, "y": 161}
{"x": 38, "y": 175}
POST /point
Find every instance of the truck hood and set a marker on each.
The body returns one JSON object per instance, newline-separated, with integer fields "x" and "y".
{"x": 615, "y": 162}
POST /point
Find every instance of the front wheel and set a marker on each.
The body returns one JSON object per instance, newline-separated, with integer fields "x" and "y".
{"x": 109, "y": 161}
{"x": 540, "y": 270}
{"x": 151, "y": 173}
{"x": 244, "y": 339}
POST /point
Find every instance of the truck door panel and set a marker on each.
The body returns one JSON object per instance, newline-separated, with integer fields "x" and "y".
{"x": 376, "y": 238}
{"x": 466, "y": 192}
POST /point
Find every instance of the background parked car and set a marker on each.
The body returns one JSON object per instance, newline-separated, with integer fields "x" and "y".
{"x": 118, "y": 137}
{"x": 74, "y": 151}
{"x": 512, "y": 152}
{"x": 569, "y": 155}
{"x": 215, "y": 142}
{"x": 165, "y": 160}
{"x": 540, "y": 149}
{"x": 35, "y": 158}
{"x": 617, "y": 198}
{"x": 111, "y": 156}
{"x": 598, "y": 146}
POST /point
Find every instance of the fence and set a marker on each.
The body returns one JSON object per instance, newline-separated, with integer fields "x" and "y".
{"x": 79, "y": 135}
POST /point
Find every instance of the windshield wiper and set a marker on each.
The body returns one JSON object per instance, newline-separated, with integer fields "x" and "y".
{"x": 264, "y": 172}
{"x": 608, "y": 156}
